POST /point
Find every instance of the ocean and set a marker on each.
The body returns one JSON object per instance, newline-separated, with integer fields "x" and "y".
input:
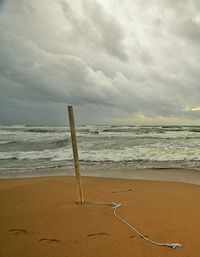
{"x": 28, "y": 148}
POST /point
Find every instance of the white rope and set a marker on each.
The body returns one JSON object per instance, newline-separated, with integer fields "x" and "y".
{"x": 114, "y": 206}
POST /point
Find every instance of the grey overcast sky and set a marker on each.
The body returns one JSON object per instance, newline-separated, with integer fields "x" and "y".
{"x": 118, "y": 62}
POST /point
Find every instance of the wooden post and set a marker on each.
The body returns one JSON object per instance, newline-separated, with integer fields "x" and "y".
{"x": 75, "y": 155}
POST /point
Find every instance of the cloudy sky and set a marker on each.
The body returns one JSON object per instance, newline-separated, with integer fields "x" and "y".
{"x": 117, "y": 62}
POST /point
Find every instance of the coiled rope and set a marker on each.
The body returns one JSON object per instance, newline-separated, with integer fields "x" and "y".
{"x": 115, "y": 206}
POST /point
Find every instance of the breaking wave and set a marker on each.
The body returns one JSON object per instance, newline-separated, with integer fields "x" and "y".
{"x": 101, "y": 144}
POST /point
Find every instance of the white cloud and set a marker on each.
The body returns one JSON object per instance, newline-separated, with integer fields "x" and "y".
{"x": 192, "y": 109}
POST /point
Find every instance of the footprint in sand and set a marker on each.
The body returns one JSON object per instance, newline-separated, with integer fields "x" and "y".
{"x": 49, "y": 240}
{"x": 132, "y": 236}
{"x": 97, "y": 234}
{"x": 123, "y": 190}
{"x": 16, "y": 231}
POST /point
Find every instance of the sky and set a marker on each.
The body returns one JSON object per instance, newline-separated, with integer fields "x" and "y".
{"x": 116, "y": 61}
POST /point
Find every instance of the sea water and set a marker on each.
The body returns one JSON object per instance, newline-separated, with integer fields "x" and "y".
{"x": 30, "y": 148}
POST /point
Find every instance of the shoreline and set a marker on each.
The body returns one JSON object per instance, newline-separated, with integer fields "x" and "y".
{"x": 41, "y": 218}
{"x": 190, "y": 176}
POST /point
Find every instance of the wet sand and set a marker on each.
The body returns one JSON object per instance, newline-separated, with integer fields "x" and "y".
{"x": 40, "y": 218}
{"x": 112, "y": 171}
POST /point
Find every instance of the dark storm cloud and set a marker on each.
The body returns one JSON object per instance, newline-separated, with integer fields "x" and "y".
{"x": 117, "y": 60}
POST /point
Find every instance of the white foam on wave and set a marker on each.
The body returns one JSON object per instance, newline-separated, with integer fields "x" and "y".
{"x": 5, "y": 142}
{"x": 128, "y": 144}
{"x": 33, "y": 155}
{"x": 125, "y": 154}
{"x": 159, "y": 135}
{"x": 32, "y": 137}
{"x": 139, "y": 153}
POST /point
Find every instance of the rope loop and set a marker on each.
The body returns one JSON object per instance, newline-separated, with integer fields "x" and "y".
{"x": 115, "y": 206}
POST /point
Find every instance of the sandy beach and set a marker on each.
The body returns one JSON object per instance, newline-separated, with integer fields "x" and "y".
{"x": 40, "y": 217}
